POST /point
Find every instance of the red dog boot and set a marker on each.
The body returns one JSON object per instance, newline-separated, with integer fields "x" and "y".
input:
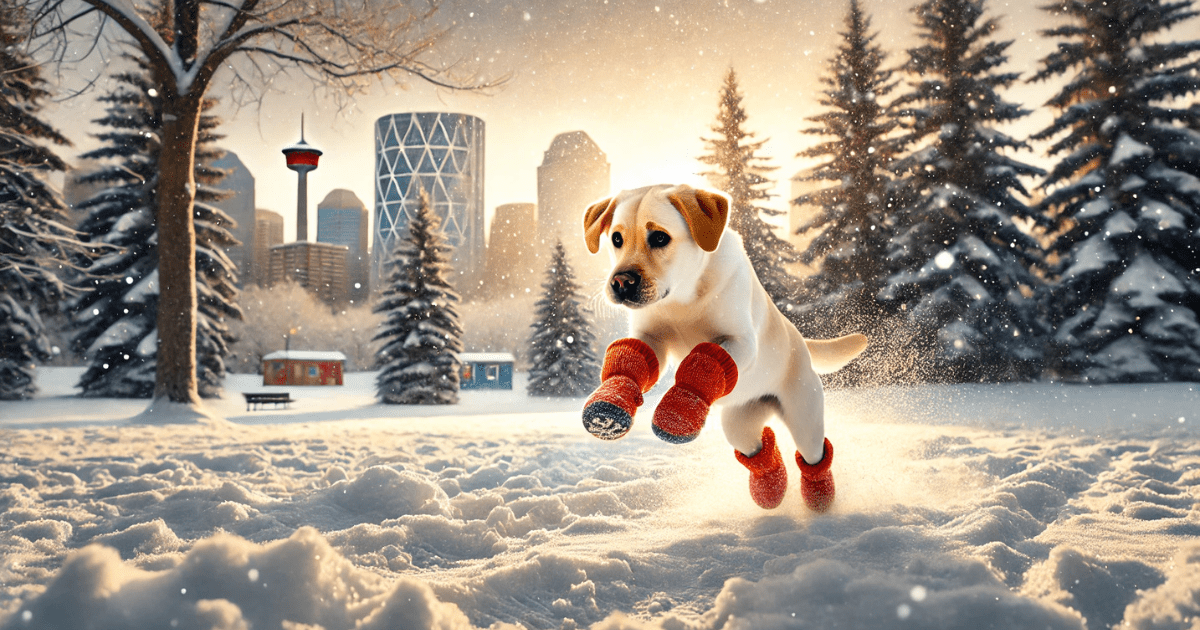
{"x": 816, "y": 480}
{"x": 630, "y": 370}
{"x": 706, "y": 374}
{"x": 768, "y": 475}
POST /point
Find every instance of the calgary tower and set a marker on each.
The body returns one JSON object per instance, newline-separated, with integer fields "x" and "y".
{"x": 302, "y": 157}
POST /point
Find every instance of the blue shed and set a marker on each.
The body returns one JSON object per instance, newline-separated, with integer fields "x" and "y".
{"x": 486, "y": 370}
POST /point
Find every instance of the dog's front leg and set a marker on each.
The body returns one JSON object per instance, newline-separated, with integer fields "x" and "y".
{"x": 707, "y": 373}
{"x": 630, "y": 369}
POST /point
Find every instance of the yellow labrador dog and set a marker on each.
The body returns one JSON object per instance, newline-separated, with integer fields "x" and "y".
{"x": 695, "y": 300}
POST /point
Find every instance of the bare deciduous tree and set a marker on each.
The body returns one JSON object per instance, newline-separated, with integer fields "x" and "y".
{"x": 288, "y": 316}
{"x": 344, "y": 45}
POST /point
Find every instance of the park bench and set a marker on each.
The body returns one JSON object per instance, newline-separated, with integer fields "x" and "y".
{"x": 258, "y": 399}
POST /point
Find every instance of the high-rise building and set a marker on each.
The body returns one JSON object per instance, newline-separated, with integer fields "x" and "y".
{"x": 442, "y": 154}
{"x": 342, "y": 219}
{"x": 574, "y": 173}
{"x": 268, "y": 232}
{"x": 239, "y": 182}
{"x": 302, "y": 157}
{"x": 512, "y": 265}
{"x": 318, "y": 267}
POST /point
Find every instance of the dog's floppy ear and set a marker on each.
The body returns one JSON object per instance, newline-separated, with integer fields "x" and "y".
{"x": 705, "y": 213}
{"x": 596, "y": 220}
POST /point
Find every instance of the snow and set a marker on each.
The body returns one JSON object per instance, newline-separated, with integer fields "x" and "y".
{"x": 122, "y": 331}
{"x": 1162, "y": 216}
{"x": 149, "y": 344}
{"x": 1127, "y": 149}
{"x": 305, "y": 355}
{"x": 959, "y": 506}
{"x": 1119, "y": 224}
{"x": 486, "y": 357}
{"x": 1095, "y": 254}
{"x": 1145, "y": 283}
{"x": 1185, "y": 183}
{"x": 144, "y": 289}
{"x": 1095, "y": 208}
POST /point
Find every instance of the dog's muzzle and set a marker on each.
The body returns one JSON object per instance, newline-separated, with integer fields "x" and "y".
{"x": 626, "y": 286}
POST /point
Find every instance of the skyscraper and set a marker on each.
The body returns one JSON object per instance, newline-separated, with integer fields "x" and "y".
{"x": 442, "y": 154}
{"x": 512, "y": 253}
{"x": 240, "y": 207}
{"x": 318, "y": 267}
{"x": 573, "y": 174}
{"x": 342, "y": 220}
{"x": 268, "y": 232}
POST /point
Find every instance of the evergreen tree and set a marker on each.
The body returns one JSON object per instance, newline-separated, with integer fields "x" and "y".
{"x": 852, "y": 220}
{"x": 1125, "y": 193}
{"x": 115, "y": 321}
{"x": 421, "y": 334}
{"x": 741, "y": 173}
{"x": 961, "y": 265}
{"x": 564, "y": 362}
{"x": 35, "y": 246}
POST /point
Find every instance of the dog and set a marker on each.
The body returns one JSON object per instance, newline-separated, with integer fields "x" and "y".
{"x": 694, "y": 300}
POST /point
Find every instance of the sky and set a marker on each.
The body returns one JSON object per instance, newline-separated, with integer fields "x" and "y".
{"x": 641, "y": 77}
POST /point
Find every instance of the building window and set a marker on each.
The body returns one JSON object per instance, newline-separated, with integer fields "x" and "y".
{"x": 467, "y": 372}
{"x": 493, "y": 372}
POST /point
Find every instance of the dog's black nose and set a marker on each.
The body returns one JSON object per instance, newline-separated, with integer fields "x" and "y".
{"x": 626, "y": 284}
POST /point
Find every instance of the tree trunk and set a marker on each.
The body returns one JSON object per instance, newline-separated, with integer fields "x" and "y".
{"x": 175, "y": 377}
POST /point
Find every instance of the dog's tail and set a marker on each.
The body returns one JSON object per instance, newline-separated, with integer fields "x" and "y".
{"x": 830, "y": 355}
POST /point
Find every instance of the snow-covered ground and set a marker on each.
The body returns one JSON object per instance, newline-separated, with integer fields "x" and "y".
{"x": 1015, "y": 506}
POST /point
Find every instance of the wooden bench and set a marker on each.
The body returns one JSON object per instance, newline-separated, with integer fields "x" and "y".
{"x": 258, "y": 399}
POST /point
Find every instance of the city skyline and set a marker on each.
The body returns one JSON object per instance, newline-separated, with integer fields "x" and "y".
{"x": 641, "y": 78}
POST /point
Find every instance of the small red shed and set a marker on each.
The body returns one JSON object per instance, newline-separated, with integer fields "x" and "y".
{"x": 303, "y": 367}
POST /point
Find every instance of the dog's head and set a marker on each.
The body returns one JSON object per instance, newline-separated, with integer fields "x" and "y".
{"x": 657, "y": 238}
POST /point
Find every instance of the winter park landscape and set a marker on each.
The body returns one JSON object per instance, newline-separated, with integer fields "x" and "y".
{"x": 1004, "y": 198}
{"x": 966, "y": 506}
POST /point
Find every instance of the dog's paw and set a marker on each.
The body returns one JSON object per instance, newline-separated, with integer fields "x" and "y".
{"x": 816, "y": 480}
{"x": 671, "y": 437}
{"x": 608, "y": 412}
{"x": 680, "y": 416}
{"x": 606, "y": 420}
{"x": 768, "y": 475}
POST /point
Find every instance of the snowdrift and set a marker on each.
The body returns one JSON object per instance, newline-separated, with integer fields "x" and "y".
{"x": 976, "y": 515}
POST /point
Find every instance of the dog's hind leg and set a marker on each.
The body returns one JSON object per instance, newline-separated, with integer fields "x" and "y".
{"x": 744, "y": 429}
{"x": 743, "y": 424}
{"x": 802, "y": 408}
{"x": 803, "y": 411}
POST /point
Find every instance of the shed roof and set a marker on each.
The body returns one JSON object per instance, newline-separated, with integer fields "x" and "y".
{"x": 486, "y": 357}
{"x": 305, "y": 355}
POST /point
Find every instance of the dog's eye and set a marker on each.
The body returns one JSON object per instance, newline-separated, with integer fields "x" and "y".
{"x": 617, "y": 240}
{"x": 659, "y": 239}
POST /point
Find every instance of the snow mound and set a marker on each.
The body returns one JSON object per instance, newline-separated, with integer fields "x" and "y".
{"x": 225, "y": 582}
{"x": 958, "y": 506}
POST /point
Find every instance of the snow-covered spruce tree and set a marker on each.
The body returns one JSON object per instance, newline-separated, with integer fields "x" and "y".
{"x": 852, "y": 216}
{"x": 35, "y": 245}
{"x": 116, "y": 321}
{"x": 1125, "y": 193}
{"x": 741, "y": 173}
{"x": 560, "y": 348}
{"x": 421, "y": 335}
{"x": 962, "y": 276}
